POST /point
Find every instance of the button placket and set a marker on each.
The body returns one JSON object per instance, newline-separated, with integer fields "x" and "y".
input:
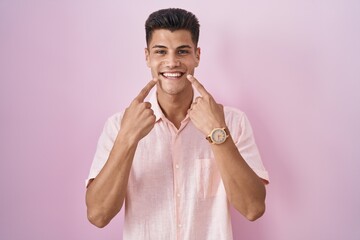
{"x": 177, "y": 184}
{"x": 178, "y": 176}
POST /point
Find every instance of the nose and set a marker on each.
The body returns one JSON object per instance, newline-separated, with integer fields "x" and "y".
{"x": 172, "y": 61}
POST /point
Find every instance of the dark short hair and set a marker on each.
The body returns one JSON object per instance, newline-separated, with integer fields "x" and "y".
{"x": 172, "y": 19}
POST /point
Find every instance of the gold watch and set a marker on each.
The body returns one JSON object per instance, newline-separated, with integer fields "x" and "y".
{"x": 218, "y": 135}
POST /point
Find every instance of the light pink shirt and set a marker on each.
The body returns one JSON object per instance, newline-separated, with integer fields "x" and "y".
{"x": 175, "y": 190}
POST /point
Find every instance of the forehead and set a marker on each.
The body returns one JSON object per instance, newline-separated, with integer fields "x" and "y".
{"x": 171, "y": 39}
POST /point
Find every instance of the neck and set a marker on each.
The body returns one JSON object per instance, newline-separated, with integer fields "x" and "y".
{"x": 175, "y": 107}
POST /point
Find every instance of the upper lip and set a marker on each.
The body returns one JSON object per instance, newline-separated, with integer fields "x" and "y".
{"x": 182, "y": 72}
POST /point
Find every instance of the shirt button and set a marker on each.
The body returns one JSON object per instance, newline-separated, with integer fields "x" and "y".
{"x": 177, "y": 166}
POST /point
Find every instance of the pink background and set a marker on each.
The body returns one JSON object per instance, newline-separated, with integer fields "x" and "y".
{"x": 292, "y": 66}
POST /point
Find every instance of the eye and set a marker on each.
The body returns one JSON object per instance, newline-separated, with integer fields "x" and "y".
{"x": 183, "y": 52}
{"x": 160, "y": 52}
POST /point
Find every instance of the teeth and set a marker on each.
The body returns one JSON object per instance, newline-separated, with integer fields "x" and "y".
{"x": 172, "y": 74}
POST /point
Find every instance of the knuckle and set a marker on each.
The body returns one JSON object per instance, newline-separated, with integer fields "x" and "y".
{"x": 142, "y": 94}
{"x": 144, "y": 90}
{"x": 148, "y": 112}
{"x": 207, "y": 97}
{"x": 147, "y": 105}
{"x": 135, "y": 101}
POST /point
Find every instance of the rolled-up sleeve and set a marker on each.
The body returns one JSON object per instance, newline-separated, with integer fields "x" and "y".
{"x": 104, "y": 146}
{"x": 244, "y": 140}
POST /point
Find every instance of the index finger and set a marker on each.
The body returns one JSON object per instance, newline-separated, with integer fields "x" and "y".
{"x": 198, "y": 85}
{"x": 145, "y": 91}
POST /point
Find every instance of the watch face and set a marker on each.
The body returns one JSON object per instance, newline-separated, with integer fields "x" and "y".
{"x": 218, "y": 135}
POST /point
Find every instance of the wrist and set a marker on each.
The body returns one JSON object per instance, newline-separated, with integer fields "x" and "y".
{"x": 212, "y": 125}
{"x": 126, "y": 138}
{"x": 218, "y": 135}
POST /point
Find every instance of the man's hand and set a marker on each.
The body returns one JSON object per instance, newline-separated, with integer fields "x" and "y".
{"x": 204, "y": 112}
{"x": 139, "y": 118}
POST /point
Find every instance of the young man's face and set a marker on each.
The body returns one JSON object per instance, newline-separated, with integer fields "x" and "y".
{"x": 171, "y": 56}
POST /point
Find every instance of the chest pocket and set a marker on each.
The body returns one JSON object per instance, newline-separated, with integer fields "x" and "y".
{"x": 207, "y": 178}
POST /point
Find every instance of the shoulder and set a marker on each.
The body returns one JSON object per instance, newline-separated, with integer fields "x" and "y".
{"x": 236, "y": 120}
{"x": 233, "y": 113}
{"x": 113, "y": 122}
{"x": 115, "y": 117}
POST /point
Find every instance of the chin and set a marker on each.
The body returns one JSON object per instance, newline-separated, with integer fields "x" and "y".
{"x": 171, "y": 90}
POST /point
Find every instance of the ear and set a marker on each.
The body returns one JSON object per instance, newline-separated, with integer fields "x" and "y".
{"x": 197, "y": 55}
{"x": 147, "y": 57}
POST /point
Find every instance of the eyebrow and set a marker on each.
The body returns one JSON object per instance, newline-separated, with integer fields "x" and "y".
{"x": 182, "y": 46}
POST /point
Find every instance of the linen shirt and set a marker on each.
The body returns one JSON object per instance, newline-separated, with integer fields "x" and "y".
{"x": 175, "y": 190}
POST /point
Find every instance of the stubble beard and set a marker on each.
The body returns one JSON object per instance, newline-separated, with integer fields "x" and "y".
{"x": 172, "y": 89}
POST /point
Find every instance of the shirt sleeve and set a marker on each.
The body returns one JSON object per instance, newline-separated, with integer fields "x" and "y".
{"x": 104, "y": 146}
{"x": 243, "y": 137}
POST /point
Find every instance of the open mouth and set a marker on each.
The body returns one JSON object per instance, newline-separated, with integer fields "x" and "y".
{"x": 172, "y": 75}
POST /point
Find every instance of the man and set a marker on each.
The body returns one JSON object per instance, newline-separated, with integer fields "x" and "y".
{"x": 179, "y": 159}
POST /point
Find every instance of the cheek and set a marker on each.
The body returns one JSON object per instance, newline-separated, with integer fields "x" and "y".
{"x": 155, "y": 68}
{"x": 192, "y": 63}
{"x": 155, "y": 62}
{"x": 154, "y": 65}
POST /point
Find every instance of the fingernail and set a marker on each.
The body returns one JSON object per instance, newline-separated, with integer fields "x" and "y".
{"x": 189, "y": 76}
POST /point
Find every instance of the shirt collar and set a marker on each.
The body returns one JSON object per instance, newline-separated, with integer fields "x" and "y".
{"x": 155, "y": 105}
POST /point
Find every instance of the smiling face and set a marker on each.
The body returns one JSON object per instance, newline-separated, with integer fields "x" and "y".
{"x": 171, "y": 56}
